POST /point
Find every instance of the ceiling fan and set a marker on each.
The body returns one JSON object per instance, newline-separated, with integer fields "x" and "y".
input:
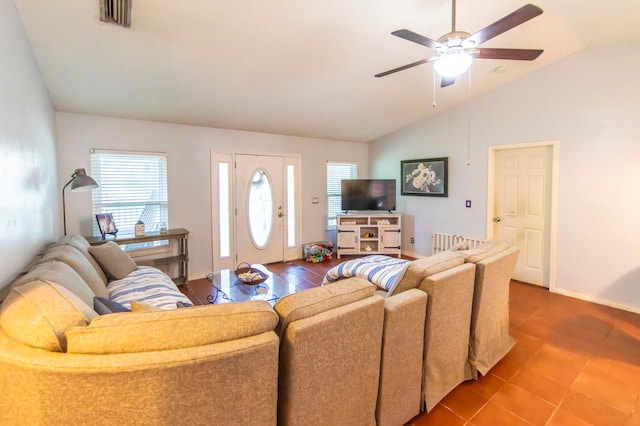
{"x": 457, "y": 49}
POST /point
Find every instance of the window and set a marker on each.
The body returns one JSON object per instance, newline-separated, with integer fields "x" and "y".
{"x": 132, "y": 187}
{"x": 335, "y": 173}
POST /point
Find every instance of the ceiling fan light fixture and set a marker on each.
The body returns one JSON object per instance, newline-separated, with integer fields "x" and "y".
{"x": 453, "y": 64}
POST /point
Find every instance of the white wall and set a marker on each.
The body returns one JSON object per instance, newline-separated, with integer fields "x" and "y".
{"x": 589, "y": 102}
{"x": 29, "y": 201}
{"x": 188, "y": 151}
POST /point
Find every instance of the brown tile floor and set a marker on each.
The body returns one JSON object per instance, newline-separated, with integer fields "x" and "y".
{"x": 575, "y": 363}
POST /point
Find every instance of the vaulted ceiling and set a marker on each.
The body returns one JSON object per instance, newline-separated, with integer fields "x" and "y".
{"x": 294, "y": 67}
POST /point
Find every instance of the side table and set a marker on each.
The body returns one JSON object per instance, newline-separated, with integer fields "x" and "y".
{"x": 182, "y": 258}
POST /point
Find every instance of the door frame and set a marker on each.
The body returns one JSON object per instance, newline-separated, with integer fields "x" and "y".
{"x": 552, "y": 209}
{"x": 291, "y": 252}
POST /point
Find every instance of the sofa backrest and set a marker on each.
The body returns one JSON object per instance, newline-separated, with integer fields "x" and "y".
{"x": 82, "y": 245}
{"x": 446, "y": 331}
{"x": 39, "y": 313}
{"x": 59, "y": 273}
{"x": 74, "y": 258}
{"x": 331, "y": 353}
{"x": 420, "y": 268}
{"x": 490, "y": 339}
{"x": 159, "y": 330}
{"x": 483, "y": 251}
{"x": 297, "y": 306}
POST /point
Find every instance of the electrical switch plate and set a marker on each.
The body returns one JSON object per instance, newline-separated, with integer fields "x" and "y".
{"x": 467, "y": 203}
{"x": 315, "y": 200}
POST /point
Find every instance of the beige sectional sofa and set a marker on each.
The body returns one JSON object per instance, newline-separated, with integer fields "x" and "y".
{"x": 345, "y": 353}
{"x": 464, "y": 328}
{"x": 61, "y": 363}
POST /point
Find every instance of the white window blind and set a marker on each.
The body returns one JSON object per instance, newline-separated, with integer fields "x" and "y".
{"x": 335, "y": 173}
{"x": 132, "y": 187}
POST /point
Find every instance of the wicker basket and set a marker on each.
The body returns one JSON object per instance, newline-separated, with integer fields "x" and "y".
{"x": 250, "y": 276}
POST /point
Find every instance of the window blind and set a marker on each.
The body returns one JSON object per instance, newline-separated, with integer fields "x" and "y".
{"x": 132, "y": 187}
{"x": 336, "y": 172}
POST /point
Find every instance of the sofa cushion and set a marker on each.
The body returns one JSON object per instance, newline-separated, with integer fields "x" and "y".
{"x": 171, "y": 329}
{"x": 38, "y": 314}
{"x": 313, "y": 301}
{"x": 105, "y": 306}
{"x": 137, "y": 307}
{"x": 484, "y": 250}
{"x": 80, "y": 243}
{"x": 59, "y": 273}
{"x": 116, "y": 263}
{"x": 421, "y": 268}
{"x": 72, "y": 257}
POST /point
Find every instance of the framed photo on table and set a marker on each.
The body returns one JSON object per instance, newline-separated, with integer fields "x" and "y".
{"x": 106, "y": 224}
{"x": 425, "y": 177}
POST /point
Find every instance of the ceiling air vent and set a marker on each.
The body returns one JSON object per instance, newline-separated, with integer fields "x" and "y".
{"x": 116, "y": 11}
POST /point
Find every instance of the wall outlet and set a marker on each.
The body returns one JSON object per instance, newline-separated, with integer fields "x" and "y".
{"x": 315, "y": 200}
{"x": 467, "y": 204}
{"x": 412, "y": 240}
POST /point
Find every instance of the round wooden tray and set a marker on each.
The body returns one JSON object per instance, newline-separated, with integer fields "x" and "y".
{"x": 259, "y": 278}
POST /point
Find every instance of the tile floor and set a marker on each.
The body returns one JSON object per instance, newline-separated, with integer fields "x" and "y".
{"x": 575, "y": 363}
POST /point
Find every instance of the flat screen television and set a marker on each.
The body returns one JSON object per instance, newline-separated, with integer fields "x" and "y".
{"x": 368, "y": 194}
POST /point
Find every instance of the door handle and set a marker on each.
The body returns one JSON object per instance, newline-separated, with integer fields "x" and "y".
{"x": 497, "y": 219}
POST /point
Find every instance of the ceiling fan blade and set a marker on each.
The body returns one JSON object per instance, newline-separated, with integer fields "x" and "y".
{"x": 417, "y": 38}
{"x": 512, "y": 20}
{"x": 447, "y": 81}
{"x": 404, "y": 67}
{"x": 511, "y": 54}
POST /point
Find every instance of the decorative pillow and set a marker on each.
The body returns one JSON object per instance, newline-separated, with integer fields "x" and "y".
{"x": 105, "y": 306}
{"x": 38, "y": 314}
{"x": 484, "y": 250}
{"x": 116, "y": 263}
{"x": 421, "y": 268}
{"x": 172, "y": 329}
{"x": 313, "y": 301}
{"x": 137, "y": 307}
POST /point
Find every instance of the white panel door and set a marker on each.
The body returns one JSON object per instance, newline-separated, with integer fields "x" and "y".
{"x": 521, "y": 208}
{"x": 259, "y": 209}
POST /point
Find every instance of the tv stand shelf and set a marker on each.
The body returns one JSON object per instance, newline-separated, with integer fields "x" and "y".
{"x": 364, "y": 233}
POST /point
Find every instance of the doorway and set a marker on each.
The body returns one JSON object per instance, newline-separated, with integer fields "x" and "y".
{"x": 522, "y": 206}
{"x": 259, "y": 208}
{"x": 255, "y": 208}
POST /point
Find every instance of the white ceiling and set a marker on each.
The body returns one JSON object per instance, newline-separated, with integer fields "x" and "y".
{"x": 294, "y": 67}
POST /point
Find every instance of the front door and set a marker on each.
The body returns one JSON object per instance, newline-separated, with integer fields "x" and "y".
{"x": 259, "y": 209}
{"x": 522, "y": 205}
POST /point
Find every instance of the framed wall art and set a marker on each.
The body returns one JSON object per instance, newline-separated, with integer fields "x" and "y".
{"x": 425, "y": 177}
{"x": 106, "y": 224}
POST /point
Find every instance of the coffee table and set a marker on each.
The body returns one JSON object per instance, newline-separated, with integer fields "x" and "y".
{"x": 228, "y": 288}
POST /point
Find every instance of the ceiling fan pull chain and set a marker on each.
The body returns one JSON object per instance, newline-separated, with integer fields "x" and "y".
{"x": 434, "y": 89}
{"x": 469, "y": 121}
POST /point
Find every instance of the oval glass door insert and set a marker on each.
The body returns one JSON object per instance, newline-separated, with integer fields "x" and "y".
{"x": 260, "y": 209}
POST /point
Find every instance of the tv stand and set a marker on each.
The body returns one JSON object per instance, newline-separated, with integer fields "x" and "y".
{"x": 367, "y": 233}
